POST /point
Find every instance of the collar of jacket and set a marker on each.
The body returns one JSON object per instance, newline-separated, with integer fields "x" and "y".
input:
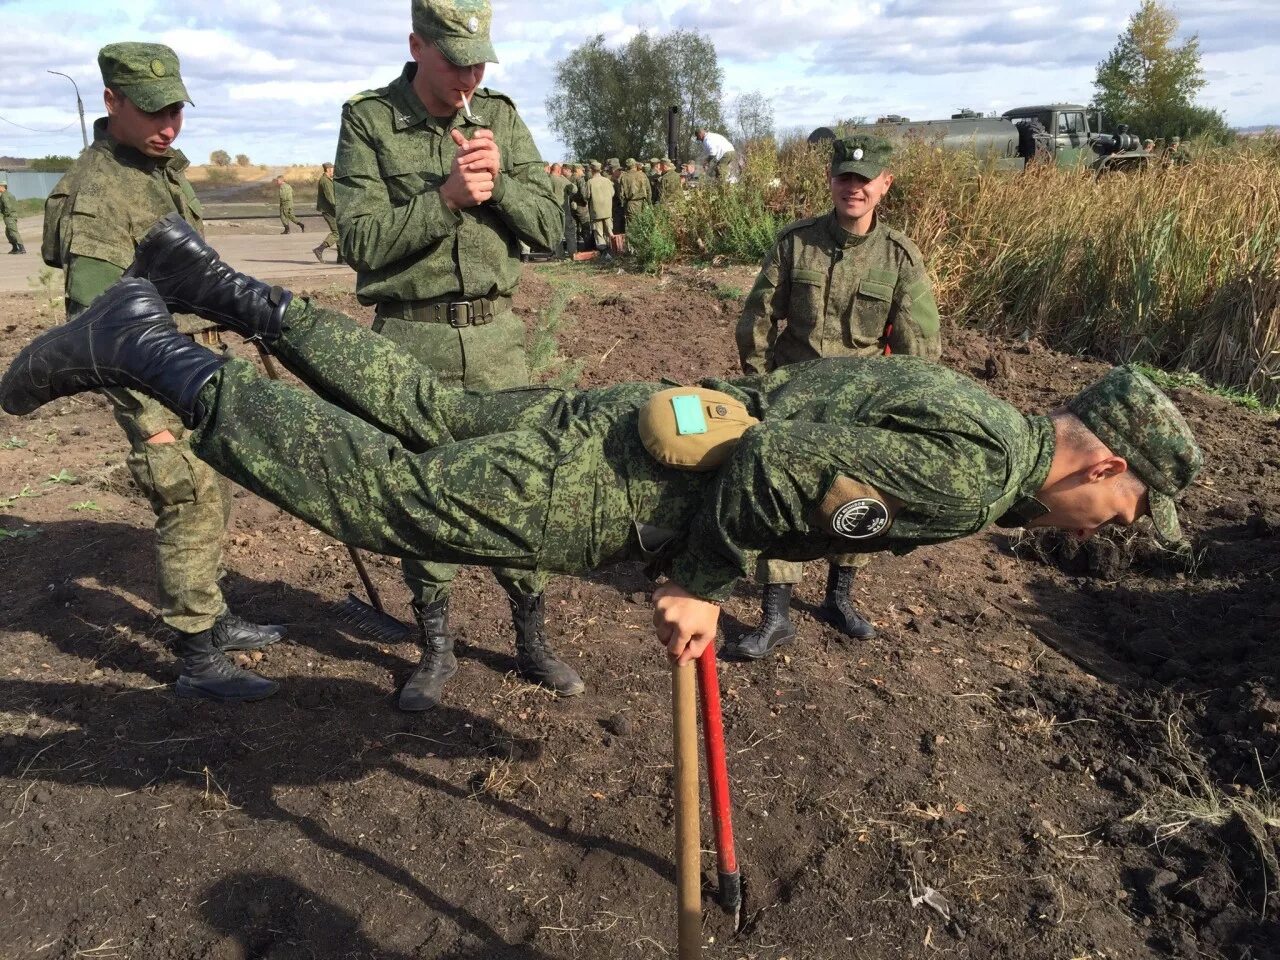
{"x": 102, "y": 140}
{"x": 407, "y": 109}
{"x": 843, "y": 238}
{"x": 1027, "y": 507}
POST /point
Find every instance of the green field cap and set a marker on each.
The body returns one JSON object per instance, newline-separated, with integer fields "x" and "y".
{"x": 459, "y": 28}
{"x": 1128, "y": 413}
{"x": 146, "y": 73}
{"x": 864, "y": 155}
{"x": 595, "y": 165}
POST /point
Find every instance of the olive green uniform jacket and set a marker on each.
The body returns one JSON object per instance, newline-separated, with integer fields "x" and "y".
{"x": 410, "y": 251}
{"x": 669, "y": 187}
{"x": 9, "y": 214}
{"x": 93, "y": 220}
{"x": 860, "y": 454}
{"x": 327, "y": 207}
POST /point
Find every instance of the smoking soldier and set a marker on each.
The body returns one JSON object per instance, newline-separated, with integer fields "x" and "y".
{"x": 868, "y": 453}
{"x": 130, "y": 176}
{"x": 840, "y": 285}
{"x": 438, "y": 183}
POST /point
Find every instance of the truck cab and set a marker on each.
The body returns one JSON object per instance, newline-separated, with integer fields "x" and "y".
{"x": 1059, "y": 129}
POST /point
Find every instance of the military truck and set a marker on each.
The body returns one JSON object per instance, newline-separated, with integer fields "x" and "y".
{"x": 1057, "y": 132}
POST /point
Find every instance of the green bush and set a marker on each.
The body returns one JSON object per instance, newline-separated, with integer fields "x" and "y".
{"x": 651, "y": 239}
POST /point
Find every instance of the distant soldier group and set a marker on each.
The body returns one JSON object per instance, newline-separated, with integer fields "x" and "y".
{"x": 600, "y": 199}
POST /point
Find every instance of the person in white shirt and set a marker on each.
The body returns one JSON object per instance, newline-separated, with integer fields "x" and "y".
{"x": 721, "y": 160}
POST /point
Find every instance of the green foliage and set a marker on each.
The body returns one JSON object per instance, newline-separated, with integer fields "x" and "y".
{"x": 48, "y": 283}
{"x": 23, "y": 494}
{"x": 13, "y": 443}
{"x": 613, "y": 102}
{"x": 242, "y": 160}
{"x": 651, "y": 239}
{"x": 63, "y": 476}
{"x": 23, "y": 533}
{"x": 29, "y": 207}
{"x": 220, "y": 158}
{"x": 546, "y": 363}
{"x": 88, "y": 505}
{"x": 1150, "y": 84}
{"x": 53, "y": 163}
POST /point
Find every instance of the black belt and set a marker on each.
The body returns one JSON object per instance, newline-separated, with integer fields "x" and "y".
{"x": 456, "y": 313}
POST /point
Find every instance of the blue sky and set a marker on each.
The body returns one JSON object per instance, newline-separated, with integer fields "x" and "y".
{"x": 269, "y": 77}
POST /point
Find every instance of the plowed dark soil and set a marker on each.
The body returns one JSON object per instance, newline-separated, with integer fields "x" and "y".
{"x": 1076, "y": 749}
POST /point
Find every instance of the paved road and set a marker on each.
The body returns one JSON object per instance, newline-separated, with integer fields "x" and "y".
{"x": 269, "y": 257}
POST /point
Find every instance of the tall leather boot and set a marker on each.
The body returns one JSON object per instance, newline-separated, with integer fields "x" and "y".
{"x": 423, "y": 688}
{"x": 208, "y": 674}
{"x": 838, "y": 608}
{"x": 535, "y": 660}
{"x": 284, "y": 232}
{"x": 235, "y": 633}
{"x": 125, "y": 339}
{"x": 775, "y": 627}
{"x": 192, "y": 278}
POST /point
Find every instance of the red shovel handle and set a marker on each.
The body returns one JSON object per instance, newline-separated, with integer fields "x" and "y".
{"x": 718, "y": 781}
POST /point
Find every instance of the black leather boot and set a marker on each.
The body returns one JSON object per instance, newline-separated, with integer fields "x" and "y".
{"x": 235, "y": 633}
{"x": 21, "y": 248}
{"x": 284, "y": 232}
{"x": 318, "y": 253}
{"x": 535, "y": 660}
{"x": 208, "y": 674}
{"x": 422, "y": 690}
{"x": 192, "y": 278}
{"x": 838, "y": 609}
{"x": 125, "y": 339}
{"x": 775, "y": 627}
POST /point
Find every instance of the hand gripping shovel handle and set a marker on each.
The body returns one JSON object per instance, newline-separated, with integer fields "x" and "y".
{"x": 684, "y": 715}
{"x": 718, "y": 781}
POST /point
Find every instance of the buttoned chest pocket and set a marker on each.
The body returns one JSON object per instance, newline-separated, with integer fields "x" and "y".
{"x": 808, "y": 298}
{"x": 865, "y": 323}
{"x": 414, "y": 167}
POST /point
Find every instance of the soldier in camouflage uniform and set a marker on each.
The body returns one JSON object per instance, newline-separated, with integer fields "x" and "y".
{"x": 839, "y": 285}
{"x": 578, "y": 205}
{"x": 327, "y": 207}
{"x": 432, "y": 206}
{"x": 635, "y": 191}
{"x": 287, "y": 219}
{"x": 851, "y": 453}
{"x": 9, "y": 214}
{"x": 128, "y": 178}
{"x": 669, "y": 186}
{"x": 598, "y": 192}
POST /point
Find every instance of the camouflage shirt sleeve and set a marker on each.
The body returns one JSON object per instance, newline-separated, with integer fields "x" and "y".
{"x": 372, "y": 232}
{"x": 767, "y": 497}
{"x": 766, "y": 305}
{"x": 523, "y": 195}
{"x": 917, "y": 329}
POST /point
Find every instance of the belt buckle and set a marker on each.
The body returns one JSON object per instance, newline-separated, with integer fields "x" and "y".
{"x": 468, "y": 314}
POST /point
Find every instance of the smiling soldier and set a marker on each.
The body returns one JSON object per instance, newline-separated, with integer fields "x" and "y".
{"x": 839, "y": 285}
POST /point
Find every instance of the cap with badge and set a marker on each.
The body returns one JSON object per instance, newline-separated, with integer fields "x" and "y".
{"x": 458, "y": 28}
{"x": 863, "y": 155}
{"x": 146, "y": 73}
{"x": 1128, "y": 413}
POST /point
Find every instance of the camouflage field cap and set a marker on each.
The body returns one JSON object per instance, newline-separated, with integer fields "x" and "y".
{"x": 612, "y": 163}
{"x": 1128, "y": 413}
{"x": 146, "y": 73}
{"x": 595, "y": 165}
{"x": 654, "y": 161}
{"x": 864, "y": 155}
{"x": 459, "y": 28}
{"x": 631, "y": 163}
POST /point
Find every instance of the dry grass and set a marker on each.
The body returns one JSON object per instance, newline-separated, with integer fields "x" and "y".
{"x": 1179, "y": 268}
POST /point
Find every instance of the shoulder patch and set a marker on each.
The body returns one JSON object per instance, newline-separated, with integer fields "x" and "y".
{"x": 366, "y": 95}
{"x": 485, "y": 93}
{"x": 791, "y": 228}
{"x": 853, "y": 510}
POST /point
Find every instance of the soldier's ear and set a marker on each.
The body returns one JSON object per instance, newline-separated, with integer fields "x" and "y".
{"x": 888, "y": 180}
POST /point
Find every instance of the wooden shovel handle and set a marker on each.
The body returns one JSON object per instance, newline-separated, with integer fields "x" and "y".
{"x": 684, "y": 714}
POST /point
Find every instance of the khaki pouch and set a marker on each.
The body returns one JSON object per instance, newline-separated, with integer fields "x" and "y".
{"x": 693, "y": 443}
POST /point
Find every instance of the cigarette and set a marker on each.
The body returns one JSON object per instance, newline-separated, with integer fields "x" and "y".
{"x": 466, "y": 108}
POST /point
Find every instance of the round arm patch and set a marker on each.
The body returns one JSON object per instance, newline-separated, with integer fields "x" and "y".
{"x": 856, "y": 511}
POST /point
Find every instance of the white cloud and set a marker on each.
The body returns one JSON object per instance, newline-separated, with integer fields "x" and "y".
{"x": 269, "y": 77}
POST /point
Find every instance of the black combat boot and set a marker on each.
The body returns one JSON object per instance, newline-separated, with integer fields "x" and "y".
{"x": 19, "y": 248}
{"x": 837, "y": 607}
{"x": 319, "y": 253}
{"x": 775, "y": 627}
{"x": 125, "y": 339}
{"x": 284, "y": 232}
{"x": 422, "y": 690}
{"x": 207, "y": 673}
{"x": 235, "y": 633}
{"x": 302, "y": 226}
{"x": 192, "y": 278}
{"x": 535, "y": 660}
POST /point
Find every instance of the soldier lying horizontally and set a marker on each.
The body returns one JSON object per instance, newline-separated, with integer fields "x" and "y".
{"x": 833, "y": 455}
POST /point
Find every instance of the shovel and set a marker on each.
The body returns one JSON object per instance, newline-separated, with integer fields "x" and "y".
{"x": 718, "y": 782}
{"x": 684, "y": 713}
{"x": 370, "y": 618}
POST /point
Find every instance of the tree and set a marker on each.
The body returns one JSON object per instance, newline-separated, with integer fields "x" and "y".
{"x": 53, "y": 163}
{"x": 613, "y": 103}
{"x": 242, "y": 160}
{"x": 220, "y": 158}
{"x": 753, "y": 113}
{"x": 1150, "y": 84}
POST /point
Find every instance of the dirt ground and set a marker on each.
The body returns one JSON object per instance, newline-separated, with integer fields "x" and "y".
{"x": 1078, "y": 753}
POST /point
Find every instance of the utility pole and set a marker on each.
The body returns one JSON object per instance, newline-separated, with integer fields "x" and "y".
{"x": 84, "y": 134}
